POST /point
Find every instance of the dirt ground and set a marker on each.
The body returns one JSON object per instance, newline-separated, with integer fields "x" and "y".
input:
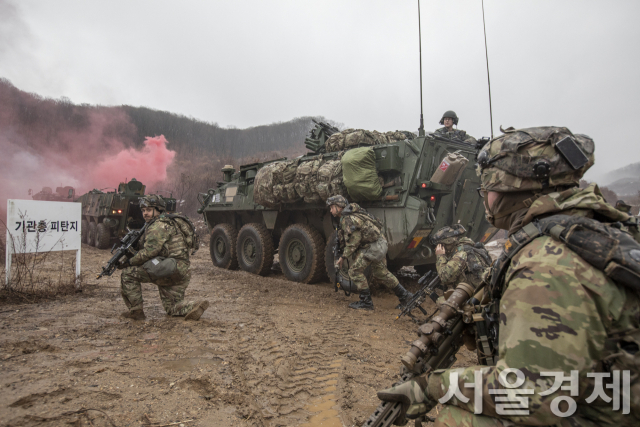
{"x": 268, "y": 352}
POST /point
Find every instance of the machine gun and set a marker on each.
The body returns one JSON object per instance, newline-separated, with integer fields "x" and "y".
{"x": 318, "y": 136}
{"x": 428, "y": 290}
{"x": 124, "y": 251}
{"x": 436, "y": 348}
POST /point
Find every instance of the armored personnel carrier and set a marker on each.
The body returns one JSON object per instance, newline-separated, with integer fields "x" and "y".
{"x": 62, "y": 194}
{"x": 106, "y": 216}
{"x": 417, "y": 196}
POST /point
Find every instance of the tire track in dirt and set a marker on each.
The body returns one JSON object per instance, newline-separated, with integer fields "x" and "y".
{"x": 293, "y": 374}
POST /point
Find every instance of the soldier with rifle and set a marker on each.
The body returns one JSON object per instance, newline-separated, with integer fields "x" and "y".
{"x": 363, "y": 245}
{"x": 562, "y": 305}
{"x": 449, "y": 118}
{"x": 162, "y": 259}
{"x": 459, "y": 259}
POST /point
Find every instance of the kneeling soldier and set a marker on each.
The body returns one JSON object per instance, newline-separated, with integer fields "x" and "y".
{"x": 163, "y": 259}
{"x": 366, "y": 246}
{"x": 459, "y": 258}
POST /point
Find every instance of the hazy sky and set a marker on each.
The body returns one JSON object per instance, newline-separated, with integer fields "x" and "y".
{"x": 244, "y": 63}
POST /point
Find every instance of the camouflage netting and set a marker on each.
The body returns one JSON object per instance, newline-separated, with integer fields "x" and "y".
{"x": 350, "y": 138}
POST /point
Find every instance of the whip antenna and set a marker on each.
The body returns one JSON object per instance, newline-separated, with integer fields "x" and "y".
{"x": 486, "y": 53}
{"x": 421, "y": 129}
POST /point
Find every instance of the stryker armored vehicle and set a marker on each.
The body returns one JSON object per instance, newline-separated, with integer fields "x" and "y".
{"x": 411, "y": 206}
{"x": 108, "y": 216}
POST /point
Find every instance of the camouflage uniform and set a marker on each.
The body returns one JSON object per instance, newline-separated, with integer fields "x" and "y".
{"x": 161, "y": 239}
{"x": 455, "y": 134}
{"x": 463, "y": 261}
{"x": 557, "y": 312}
{"x": 353, "y": 228}
{"x": 360, "y": 237}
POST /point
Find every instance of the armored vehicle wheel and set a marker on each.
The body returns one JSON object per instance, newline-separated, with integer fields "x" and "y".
{"x": 84, "y": 231}
{"x": 222, "y": 246}
{"x": 330, "y": 261}
{"x": 255, "y": 249}
{"x": 103, "y": 236}
{"x": 300, "y": 252}
{"x": 91, "y": 235}
{"x": 424, "y": 268}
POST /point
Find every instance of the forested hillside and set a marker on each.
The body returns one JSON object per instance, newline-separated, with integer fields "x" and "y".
{"x": 52, "y": 142}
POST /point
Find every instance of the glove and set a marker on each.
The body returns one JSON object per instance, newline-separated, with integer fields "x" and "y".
{"x": 411, "y": 394}
{"x": 124, "y": 264}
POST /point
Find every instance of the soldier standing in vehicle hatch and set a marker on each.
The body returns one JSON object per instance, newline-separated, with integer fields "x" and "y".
{"x": 449, "y": 118}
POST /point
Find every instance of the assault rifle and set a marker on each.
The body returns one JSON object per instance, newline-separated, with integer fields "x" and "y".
{"x": 428, "y": 290}
{"x": 124, "y": 251}
{"x": 436, "y": 348}
{"x": 337, "y": 253}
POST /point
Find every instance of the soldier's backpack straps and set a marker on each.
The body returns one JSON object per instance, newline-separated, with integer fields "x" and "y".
{"x": 187, "y": 229}
{"x": 606, "y": 247}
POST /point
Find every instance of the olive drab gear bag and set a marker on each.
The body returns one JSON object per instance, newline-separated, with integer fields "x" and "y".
{"x": 188, "y": 231}
{"x": 161, "y": 267}
{"x": 360, "y": 175}
{"x": 478, "y": 259}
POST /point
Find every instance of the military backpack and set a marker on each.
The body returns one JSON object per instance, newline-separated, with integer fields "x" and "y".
{"x": 187, "y": 229}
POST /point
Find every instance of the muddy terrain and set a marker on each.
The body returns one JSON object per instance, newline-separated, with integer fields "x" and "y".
{"x": 268, "y": 352}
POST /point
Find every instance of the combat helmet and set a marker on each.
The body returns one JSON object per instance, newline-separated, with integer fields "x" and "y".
{"x": 447, "y": 235}
{"x": 337, "y": 200}
{"x": 533, "y": 159}
{"x": 450, "y": 114}
{"x": 153, "y": 201}
{"x": 622, "y": 206}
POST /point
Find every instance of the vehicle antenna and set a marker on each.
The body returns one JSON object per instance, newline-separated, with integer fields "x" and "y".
{"x": 421, "y": 129}
{"x": 486, "y": 53}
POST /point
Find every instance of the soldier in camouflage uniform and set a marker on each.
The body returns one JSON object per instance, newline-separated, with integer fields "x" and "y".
{"x": 449, "y": 118}
{"x": 163, "y": 260}
{"x": 459, "y": 259}
{"x": 359, "y": 230}
{"x": 558, "y": 313}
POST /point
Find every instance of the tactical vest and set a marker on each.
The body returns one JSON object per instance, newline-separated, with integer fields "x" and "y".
{"x": 180, "y": 242}
{"x": 606, "y": 248}
{"x": 372, "y": 227}
{"x": 478, "y": 259}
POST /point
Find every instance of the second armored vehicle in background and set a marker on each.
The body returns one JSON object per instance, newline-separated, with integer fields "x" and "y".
{"x": 412, "y": 205}
{"x": 62, "y": 194}
{"x": 107, "y": 216}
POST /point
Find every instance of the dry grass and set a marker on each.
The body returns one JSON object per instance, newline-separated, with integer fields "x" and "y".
{"x": 39, "y": 275}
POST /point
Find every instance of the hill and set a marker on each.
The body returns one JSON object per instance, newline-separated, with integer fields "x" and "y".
{"x": 53, "y": 142}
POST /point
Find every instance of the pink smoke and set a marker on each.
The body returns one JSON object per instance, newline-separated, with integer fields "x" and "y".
{"x": 148, "y": 165}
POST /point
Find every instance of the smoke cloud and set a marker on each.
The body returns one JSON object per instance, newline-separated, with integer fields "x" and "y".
{"x": 53, "y": 143}
{"x": 148, "y": 165}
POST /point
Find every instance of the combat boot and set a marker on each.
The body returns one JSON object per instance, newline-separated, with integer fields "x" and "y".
{"x": 365, "y": 302}
{"x": 134, "y": 315}
{"x": 197, "y": 310}
{"x": 403, "y": 295}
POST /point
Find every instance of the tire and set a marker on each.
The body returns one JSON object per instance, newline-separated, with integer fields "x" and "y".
{"x": 424, "y": 268}
{"x": 84, "y": 231}
{"x": 255, "y": 249}
{"x": 91, "y": 234}
{"x": 330, "y": 261}
{"x": 103, "y": 236}
{"x": 394, "y": 266}
{"x": 301, "y": 254}
{"x": 222, "y": 246}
